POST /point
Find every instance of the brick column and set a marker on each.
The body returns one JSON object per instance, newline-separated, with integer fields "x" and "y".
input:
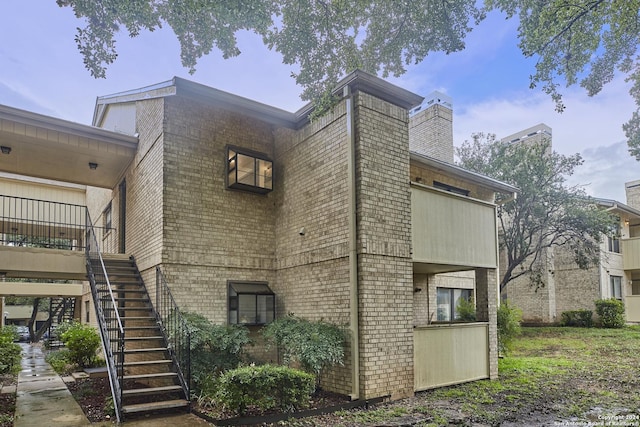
{"x": 487, "y": 311}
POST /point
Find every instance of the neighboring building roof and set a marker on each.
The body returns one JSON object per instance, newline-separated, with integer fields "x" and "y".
{"x": 455, "y": 170}
{"x": 538, "y": 132}
{"x": 615, "y": 205}
{"x": 357, "y": 80}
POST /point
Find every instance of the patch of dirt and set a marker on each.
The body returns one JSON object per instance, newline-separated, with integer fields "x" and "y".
{"x": 93, "y": 395}
{"x": 7, "y": 401}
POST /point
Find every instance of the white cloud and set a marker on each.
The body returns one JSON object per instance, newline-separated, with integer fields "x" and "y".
{"x": 591, "y": 126}
{"x": 587, "y": 122}
{"x": 605, "y": 171}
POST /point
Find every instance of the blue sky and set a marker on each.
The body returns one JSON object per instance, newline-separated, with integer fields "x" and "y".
{"x": 42, "y": 71}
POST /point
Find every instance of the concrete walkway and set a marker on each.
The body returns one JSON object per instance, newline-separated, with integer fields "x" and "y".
{"x": 43, "y": 400}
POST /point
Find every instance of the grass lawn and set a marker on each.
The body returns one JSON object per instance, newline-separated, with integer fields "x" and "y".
{"x": 552, "y": 376}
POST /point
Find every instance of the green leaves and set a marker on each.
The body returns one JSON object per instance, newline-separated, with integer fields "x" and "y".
{"x": 264, "y": 387}
{"x": 325, "y": 39}
{"x": 546, "y": 213}
{"x": 315, "y": 345}
{"x": 214, "y": 348}
{"x": 82, "y": 341}
{"x": 611, "y": 313}
{"x": 585, "y": 41}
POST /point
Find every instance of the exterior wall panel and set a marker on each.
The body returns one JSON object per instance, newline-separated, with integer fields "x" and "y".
{"x": 441, "y": 221}
{"x": 450, "y": 354}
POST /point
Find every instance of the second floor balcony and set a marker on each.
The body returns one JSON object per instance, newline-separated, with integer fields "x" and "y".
{"x": 451, "y": 232}
{"x": 630, "y": 249}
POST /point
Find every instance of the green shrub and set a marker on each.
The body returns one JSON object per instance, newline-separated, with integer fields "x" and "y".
{"x": 315, "y": 345}
{"x": 509, "y": 319}
{"x": 466, "y": 310}
{"x": 60, "y": 360}
{"x": 579, "y": 318}
{"x": 82, "y": 341}
{"x": 265, "y": 387}
{"x": 10, "y": 352}
{"x": 214, "y": 348}
{"x": 611, "y": 313}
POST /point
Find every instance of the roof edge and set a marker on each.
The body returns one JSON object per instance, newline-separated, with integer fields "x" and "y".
{"x": 457, "y": 170}
{"x": 30, "y": 118}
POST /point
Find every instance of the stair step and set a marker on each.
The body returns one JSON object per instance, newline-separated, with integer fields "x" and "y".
{"x": 154, "y": 406}
{"x": 129, "y": 308}
{"x": 149, "y": 362}
{"x": 144, "y": 350}
{"x": 139, "y": 318}
{"x": 144, "y": 338}
{"x": 125, "y": 299}
{"x": 134, "y": 328}
{"x": 151, "y": 390}
{"x": 156, "y": 375}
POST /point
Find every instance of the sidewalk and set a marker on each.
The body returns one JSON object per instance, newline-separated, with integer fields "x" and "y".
{"x": 42, "y": 398}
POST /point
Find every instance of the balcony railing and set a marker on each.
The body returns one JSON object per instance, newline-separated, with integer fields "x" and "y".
{"x": 460, "y": 219}
{"x": 175, "y": 329}
{"x": 45, "y": 224}
{"x": 630, "y": 249}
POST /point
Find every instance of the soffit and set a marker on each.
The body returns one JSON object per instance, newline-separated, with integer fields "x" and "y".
{"x": 51, "y": 148}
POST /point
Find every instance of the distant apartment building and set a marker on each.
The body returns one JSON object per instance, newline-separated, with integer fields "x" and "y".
{"x": 566, "y": 287}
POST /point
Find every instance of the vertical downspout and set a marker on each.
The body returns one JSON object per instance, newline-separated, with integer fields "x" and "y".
{"x": 353, "y": 255}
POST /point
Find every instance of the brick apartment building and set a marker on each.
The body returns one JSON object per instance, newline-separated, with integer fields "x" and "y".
{"x": 252, "y": 212}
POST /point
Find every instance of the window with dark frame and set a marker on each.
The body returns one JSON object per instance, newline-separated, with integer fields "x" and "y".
{"x": 614, "y": 239}
{"x": 107, "y": 217}
{"x": 614, "y": 244}
{"x": 450, "y": 188}
{"x": 616, "y": 287}
{"x": 447, "y": 300}
{"x": 251, "y": 303}
{"x": 249, "y": 171}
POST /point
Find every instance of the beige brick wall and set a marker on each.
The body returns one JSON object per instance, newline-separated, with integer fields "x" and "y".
{"x": 144, "y": 188}
{"x": 566, "y": 286}
{"x": 487, "y": 311}
{"x": 211, "y": 234}
{"x": 311, "y": 239}
{"x": 384, "y": 246}
{"x": 431, "y": 133}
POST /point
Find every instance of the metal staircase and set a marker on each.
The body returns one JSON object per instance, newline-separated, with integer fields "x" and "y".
{"x": 60, "y": 310}
{"x": 144, "y": 370}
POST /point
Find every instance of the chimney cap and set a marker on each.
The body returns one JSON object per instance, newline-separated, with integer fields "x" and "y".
{"x": 435, "y": 97}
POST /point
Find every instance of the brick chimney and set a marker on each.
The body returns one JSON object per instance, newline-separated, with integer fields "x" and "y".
{"x": 633, "y": 193}
{"x": 431, "y": 127}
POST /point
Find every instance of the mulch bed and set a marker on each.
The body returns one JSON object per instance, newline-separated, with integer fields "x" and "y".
{"x": 92, "y": 394}
{"x": 7, "y": 401}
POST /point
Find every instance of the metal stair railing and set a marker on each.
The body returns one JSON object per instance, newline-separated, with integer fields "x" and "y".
{"x": 176, "y": 331}
{"x": 111, "y": 329}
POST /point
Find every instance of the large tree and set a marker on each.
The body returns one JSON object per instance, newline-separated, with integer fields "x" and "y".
{"x": 546, "y": 213}
{"x": 325, "y": 38}
{"x": 586, "y": 40}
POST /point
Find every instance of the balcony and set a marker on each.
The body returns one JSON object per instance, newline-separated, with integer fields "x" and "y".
{"x": 630, "y": 249}
{"x": 450, "y": 354}
{"x": 451, "y": 232}
{"x": 42, "y": 239}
